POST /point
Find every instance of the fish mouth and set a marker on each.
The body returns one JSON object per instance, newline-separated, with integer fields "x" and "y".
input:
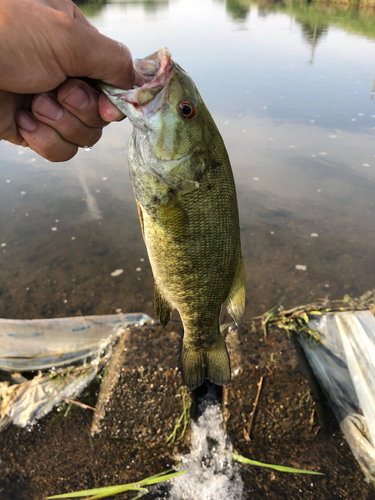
{"x": 155, "y": 69}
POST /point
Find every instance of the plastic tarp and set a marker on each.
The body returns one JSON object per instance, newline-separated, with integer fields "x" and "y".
{"x": 40, "y": 344}
{"x": 343, "y": 361}
{"x": 72, "y": 349}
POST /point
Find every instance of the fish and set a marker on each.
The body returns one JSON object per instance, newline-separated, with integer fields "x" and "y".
{"x": 187, "y": 205}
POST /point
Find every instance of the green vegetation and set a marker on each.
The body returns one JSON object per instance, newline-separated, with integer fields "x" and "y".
{"x": 280, "y": 468}
{"x": 141, "y": 486}
{"x": 296, "y": 320}
{"x": 185, "y": 416}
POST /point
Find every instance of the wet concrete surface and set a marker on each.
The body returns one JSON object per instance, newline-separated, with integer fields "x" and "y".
{"x": 291, "y": 426}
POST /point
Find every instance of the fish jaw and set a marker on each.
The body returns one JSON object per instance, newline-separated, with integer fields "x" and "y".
{"x": 140, "y": 102}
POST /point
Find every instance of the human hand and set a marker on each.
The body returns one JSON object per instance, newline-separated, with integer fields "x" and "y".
{"x": 42, "y": 44}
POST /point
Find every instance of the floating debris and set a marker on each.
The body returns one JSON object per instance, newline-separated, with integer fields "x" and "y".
{"x": 117, "y": 272}
{"x": 301, "y": 267}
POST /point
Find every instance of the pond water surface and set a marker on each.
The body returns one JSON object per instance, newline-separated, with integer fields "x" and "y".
{"x": 290, "y": 88}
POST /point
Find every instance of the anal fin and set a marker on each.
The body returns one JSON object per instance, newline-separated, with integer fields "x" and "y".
{"x": 235, "y": 302}
{"x": 163, "y": 309}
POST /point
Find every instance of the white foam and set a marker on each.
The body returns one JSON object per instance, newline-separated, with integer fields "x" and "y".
{"x": 211, "y": 473}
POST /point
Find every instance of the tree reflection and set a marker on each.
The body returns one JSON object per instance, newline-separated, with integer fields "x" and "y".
{"x": 93, "y": 7}
{"x": 90, "y": 7}
{"x": 239, "y": 9}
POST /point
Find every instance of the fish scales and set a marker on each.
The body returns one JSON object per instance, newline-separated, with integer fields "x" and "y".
{"x": 186, "y": 197}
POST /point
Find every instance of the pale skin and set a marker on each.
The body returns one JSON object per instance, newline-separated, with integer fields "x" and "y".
{"x": 46, "y": 46}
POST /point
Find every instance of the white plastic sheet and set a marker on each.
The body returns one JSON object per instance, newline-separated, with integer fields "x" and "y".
{"x": 344, "y": 364}
{"x": 40, "y": 344}
{"x": 45, "y": 344}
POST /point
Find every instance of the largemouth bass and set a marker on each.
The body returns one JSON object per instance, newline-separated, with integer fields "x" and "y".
{"x": 186, "y": 197}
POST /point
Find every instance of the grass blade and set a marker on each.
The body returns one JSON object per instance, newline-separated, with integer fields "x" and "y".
{"x": 121, "y": 490}
{"x": 281, "y": 468}
{"x": 107, "y": 491}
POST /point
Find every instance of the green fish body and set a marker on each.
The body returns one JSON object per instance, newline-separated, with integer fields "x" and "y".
{"x": 186, "y": 197}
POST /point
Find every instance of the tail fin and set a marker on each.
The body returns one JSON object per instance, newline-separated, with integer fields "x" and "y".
{"x": 199, "y": 364}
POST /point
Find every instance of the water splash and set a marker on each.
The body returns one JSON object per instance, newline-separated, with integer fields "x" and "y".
{"x": 211, "y": 473}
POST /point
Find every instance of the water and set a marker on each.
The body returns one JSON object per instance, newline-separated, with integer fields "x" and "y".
{"x": 211, "y": 473}
{"x": 290, "y": 87}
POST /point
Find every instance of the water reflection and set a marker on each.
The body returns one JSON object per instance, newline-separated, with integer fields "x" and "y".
{"x": 238, "y": 9}
{"x": 93, "y": 7}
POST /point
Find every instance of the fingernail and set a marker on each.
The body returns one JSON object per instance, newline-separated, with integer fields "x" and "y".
{"x": 25, "y": 121}
{"x": 77, "y": 98}
{"x": 48, "y": 107}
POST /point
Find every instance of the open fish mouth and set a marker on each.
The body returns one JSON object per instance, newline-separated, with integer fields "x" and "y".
{"x": 156, "y": 69}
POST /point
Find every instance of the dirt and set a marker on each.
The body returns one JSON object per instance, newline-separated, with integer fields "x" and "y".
{"x": 293, "y": 425}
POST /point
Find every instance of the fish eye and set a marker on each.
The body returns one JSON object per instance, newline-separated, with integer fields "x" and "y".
{"x": 187, "y": 110}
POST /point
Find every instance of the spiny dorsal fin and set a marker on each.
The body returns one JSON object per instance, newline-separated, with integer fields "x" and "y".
{"x": 163, "y": 309}
{"x": 235, "y": 302}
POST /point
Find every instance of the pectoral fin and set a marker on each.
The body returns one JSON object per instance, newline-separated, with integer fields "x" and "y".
{"x": 163, "y": 309}
{"x": 235, "y": 302}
